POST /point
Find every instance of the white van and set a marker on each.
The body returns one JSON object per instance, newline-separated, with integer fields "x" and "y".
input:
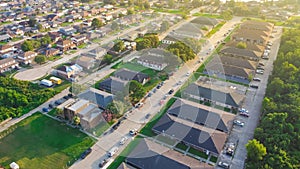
{"x": 112, "y": 151}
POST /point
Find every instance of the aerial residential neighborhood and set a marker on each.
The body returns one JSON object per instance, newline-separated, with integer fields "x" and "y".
{"x": 148, "y": 84}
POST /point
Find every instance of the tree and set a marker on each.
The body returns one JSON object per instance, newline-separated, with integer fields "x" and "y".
{"x": 119, "y": 46}
{"x": 165, "y": 25}
{"x": 171, "y": 3}
{"x": 241, "y": 45}
{"x": 32, "y": 22}
{"x": 255, "y": 150}
{"x": 96, "y": 23}
{"x": 143, "y": 44}
{"x": 196, "y": 3}
{"x": 107, "y": 58}
{"x": 27, "y": 46}
{"x": 46, "y": 40}
{"x": 147, "y": 5}
{"x": 40, "y": 27}
{"x": 40, "y": 59}
{"x": 115, "y": 25}
{"x": 76, "y": 120}
{"x": 130, "y": 11}
{"x": 113, "y": 2}
{"x": 116, "y": 107}
{"x": 184, "y": 52}
{"x": 136, "y": 91}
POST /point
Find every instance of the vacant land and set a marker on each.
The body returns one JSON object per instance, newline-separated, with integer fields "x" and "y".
{"x": 41, "y": 142}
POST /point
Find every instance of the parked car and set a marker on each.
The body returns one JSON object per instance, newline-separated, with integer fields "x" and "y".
{"x": 133, "y": 132}
{"x": 51, "y": 106}
{"x": 256, "y": 79}
{"x": 103, "y": 162}
{"x": 254, "y": 86}
{"x": 244, "y": 114}
{"x": 112, "y": 151}
{"x": 238, "y": 123}
{"x": 45, "y": 110}
{"x": 147, "y": 116}
{"x": 123, "y": 140}
{"x": 258, "y": 71}
{"x": 223, "y": 164}
{"x": 243, "y": 110}
{"x": 261, "y": 64}
{"x": 171, "y": 91}
{"x": 139, "y": 105}
{"x": 86, "y": 153}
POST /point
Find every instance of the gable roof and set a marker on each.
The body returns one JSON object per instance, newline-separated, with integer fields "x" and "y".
{"x": 208, "y": 118}
{"x": 240, "y": 52}
{"x": 113, "y": 85}
{"x": 150, "y": 155}
{"x": 189, "y": 29}
{"x": 232, "y": 99}
{"x": 249, "y": 46}
{"x": 250, "y": 34}
{"x": 257, "y": 25}
{"x": 126, "y": 74}
{"x": 232, "y": 61}
{"x": 205, "y": 21}
{"x": 191, "y": 133}
{"x": 101, "y": 98}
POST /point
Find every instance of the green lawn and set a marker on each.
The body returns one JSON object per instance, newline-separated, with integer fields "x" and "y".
{"x": 208, "y": 15}
{"x": 147, "y": 129}
{"x": 213, "y": 159}
{"x": 64, "y": 24}
{"x": 3, "y": 43}
{"x": 198, "y": 153}
{"x": 215, "y": 29}
{"x": 100, "y": 128}
{"x": 41, "y": 142}
{"x": 82, "y": 46}
{"x": 181, "y": 146}
{"x": 53, "y": 58}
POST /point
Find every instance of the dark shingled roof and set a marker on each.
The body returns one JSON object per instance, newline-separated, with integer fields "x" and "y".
{"x": 218, "y": 96}
{"x": 200, "y": 116}
{"x": 113, "y": 85}
{"x": 101, "y": 98}
{"x": 212, "y": 141}
{"x": 126, "y": 74}
{"x": 205, "y": 21}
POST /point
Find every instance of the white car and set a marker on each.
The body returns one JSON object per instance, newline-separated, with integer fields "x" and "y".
{"x": 123, "y": 140}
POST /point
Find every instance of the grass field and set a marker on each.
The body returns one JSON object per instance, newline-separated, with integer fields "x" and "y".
{"x": 41, "y": 142}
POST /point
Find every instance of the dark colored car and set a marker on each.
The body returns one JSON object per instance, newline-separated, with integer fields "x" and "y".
{"x": 244, "y": 114}
{"x": 86, "y": 153}
{"x": 102, "y": 163}
{"x": 147, "y": 116}
{"x": 254, "y": 86}
{"x": 51, "y": 106}
{"x": 171, "y": 91}
{"x": 45, "y": 109}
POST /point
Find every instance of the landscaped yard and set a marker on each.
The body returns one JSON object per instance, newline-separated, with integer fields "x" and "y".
{"x": 41, "y": 142}
{"x": 181, "y": 146}
{"x": 198, "y": 153}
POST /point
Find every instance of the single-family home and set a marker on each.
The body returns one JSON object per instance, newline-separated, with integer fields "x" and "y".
{"x": 78, "y": 40}
{"x": 189, "y": 30}
{"x": 6, "y": 49}
{"x": 257, "y": 25}
{"x": 251, "y": 36}
{"x": 5, "y": 38}
{"x": 27, "y": 57}
{"x": 98, "y": 97}
{"x": 65, "y": 45}
{"x": 51, "y": 52}
{"x": 113, "y": 85}
{"x": 67, "y": 31}
{"x": 8, "y": 64}
{"x": 65, "y": 72}
{"x": 86, "y": 62}
{"x": 128, "y": 75}
{"x": 97, "y": 53}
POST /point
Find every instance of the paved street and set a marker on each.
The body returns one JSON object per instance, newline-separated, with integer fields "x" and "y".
{"x": 137, "y": 119}
{"x": 253, "y": 103}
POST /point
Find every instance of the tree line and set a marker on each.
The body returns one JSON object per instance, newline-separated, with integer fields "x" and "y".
{"x": 279, "y": 128}
{"x": 19, "y": 97}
